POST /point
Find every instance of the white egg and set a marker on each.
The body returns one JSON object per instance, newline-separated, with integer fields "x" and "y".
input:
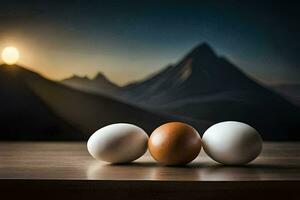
{"x": 118, "y": 143}
{"x": 232, "y": 143}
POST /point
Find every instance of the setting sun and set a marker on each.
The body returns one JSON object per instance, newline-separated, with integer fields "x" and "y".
{"x": 10, "y": 55}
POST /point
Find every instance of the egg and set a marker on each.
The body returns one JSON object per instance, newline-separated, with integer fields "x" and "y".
{"x": 118, "y": 143}
{"x": 232, "y": 143}
{"x": 174, "y": 143}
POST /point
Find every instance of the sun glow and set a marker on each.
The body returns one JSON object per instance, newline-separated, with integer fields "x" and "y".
{"x": 10, "y": 55}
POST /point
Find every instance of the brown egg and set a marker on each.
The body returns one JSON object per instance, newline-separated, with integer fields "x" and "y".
{"x": 174, "y": 143}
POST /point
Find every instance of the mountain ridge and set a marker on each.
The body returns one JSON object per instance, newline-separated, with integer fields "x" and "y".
{"x": 85, "y": 111}
{"x": 100, "y": 84}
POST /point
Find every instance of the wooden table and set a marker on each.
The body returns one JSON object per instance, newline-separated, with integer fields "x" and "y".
{"x": 53, "y": 170}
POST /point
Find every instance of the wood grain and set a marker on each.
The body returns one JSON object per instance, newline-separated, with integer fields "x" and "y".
{"x": 60, "y": 168}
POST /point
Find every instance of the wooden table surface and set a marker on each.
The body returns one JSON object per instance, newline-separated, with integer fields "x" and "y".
{"x": 40, "y": 165}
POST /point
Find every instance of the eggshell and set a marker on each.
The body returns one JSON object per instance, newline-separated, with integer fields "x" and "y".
{"x": 174, "y": 143}
{"x": 232, "y": 143}
{"x": 118, "y": 143}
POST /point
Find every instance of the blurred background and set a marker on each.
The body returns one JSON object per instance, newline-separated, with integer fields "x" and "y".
{"x": 69, "y": 68}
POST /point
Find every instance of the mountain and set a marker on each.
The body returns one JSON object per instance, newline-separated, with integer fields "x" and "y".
{"x": 199, "y": 73}
{"x": 35, "y": 108}
{"x": 290, "y": 91}
{"x": 205, "y": 86}
{"x": 98, "y": 85}
{"x": 23, "y": 115}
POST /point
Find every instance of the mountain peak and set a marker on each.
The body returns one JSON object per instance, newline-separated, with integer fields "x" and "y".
{"x": 77, "y": 77}
{"x": 99, "y": 76}
{"x": 201, "y": 56}
{"x": 203, "y": 50}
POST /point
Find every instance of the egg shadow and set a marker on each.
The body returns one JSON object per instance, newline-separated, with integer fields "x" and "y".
{"x": 107, "y": 171}
{"x": 134, "y": 164}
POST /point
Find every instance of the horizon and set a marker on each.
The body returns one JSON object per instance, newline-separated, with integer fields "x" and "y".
{"x": 151, "y": 73}
{"x": 146, "y": 75}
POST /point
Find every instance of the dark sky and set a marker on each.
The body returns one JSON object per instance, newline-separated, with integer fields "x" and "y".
{"x": 129, "y": 39}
